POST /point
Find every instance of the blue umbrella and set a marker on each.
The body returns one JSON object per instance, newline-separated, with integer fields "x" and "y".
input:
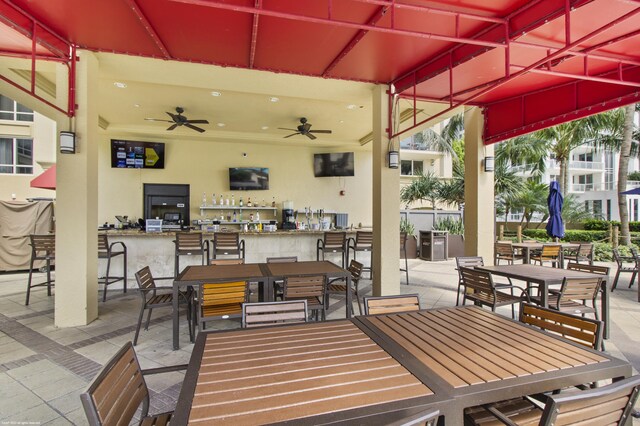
{"x": 555, "y": 227}
{"x": 634, "y": 191}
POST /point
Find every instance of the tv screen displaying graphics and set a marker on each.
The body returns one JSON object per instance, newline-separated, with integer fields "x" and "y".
{"x": 137, "y": 155}
{"x": 334, "y": 164}
{"x": 248, "y": 178}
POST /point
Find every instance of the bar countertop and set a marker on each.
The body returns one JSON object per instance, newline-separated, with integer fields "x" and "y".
{"x": 280, "y": 232}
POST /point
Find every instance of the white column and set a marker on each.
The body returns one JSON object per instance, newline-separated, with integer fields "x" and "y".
{"x": 76, "y": 293}
{"x": 479, "y": 201}
{"x": 386, "y": 203}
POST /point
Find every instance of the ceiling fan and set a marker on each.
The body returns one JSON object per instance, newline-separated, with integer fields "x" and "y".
{"x": 304, "y": 129}
{"x": 180, "y": 120}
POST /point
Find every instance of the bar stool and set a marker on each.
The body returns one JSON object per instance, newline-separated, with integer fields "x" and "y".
{"x": 227, "y": 244}
{"x": 403, "y": 252}
{"x": 107, "y": 251}
{"x": 333, "y": 242}
{"x": 43, "y": 247}
{"x": 364, "y": 243}
{"x": 190, "y": 244}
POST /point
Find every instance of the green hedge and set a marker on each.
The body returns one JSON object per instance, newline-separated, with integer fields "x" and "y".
{"x": 603, "y": 225}
{"x": 570, "y": 235}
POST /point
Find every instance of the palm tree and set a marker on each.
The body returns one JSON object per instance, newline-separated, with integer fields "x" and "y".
{"x": 532, "y": 199}
{"x": 623, "y": 171}
{"x": 424, "y": 188}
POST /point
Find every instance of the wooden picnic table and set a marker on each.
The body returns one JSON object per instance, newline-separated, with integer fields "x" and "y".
{"x": 545, "y": 276}
{"x": 263, "y": 273}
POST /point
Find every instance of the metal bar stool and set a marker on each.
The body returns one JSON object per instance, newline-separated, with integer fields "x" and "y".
{"x": 190, "y": 244}
{"x": 109, "y": 251}
{"x": 364, "y": 243}
{"x": 403, "y": 252}
{"x": 333, "y": 242}
{"x": 43, "y": 247}
{"x": 227, "y": 244}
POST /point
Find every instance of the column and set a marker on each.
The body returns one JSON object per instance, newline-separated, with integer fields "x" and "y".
{"x": 76, "y": 290}
{"x": 479, "y": 204}
{"x": 386, "y": 203}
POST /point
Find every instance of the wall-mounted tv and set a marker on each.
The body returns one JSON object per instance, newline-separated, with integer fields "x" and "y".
{"x": 248, "y": 178}
{"x": 333, "y": 164}
{"x": 137, "y": 155}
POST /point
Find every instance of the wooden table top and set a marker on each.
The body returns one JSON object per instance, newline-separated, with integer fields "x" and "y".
{"x": 539, "y": 245}
{"x": 199, "y": 273}
{"x": 281, "y": 269}
{"x": 276, "y": 374}
{"x": 471, "y": 346}
{"x": 537, "y": 273}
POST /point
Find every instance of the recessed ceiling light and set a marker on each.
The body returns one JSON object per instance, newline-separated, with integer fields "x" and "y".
{"x": 136, "y": 105}
{"x": 221, "y": 124}
{"x": 352, "y": 106}
{"x": 341, "y": 121}
{"x": 216, "y": 94}
{"x": 119, "y": 85}
{"x": 274, "y": 99}
{"x": 265, "y": 127}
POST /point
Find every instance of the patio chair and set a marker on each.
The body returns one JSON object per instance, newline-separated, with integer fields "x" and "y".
{"x": 108, "y": 251}
{"x": 221, "y": 301}
{"x": 271, "y": 313}
{"x": 470, "y": 262}
{"x": 278, "y": 284}
{"x": 584, "y": 331}
{"x": 43, "y": 247}
{"x": 391, "y": 304}
{"x": 423, "y": 418}
{"x": 227, "y": 244}
{"x": 504, "y": 251}
{"x": 572, "y": 296}
{"x": 584, "y": 252}
{"x": 159, "y": 297}
{"x": 621, "y": 260}
{"x": 481, "y": 290}
{"x": 549, "y": 253}
{"x": 190, "y": 244}
{"x": 337, "y": 288}
{"x": 311, "y": 288}
{"x": 363, "y": 242}
{"x": 610, "y": 405}
{"x": 333, "y": 242}
{"x": 114, "y": 396}
{"x": 403, "y": 253}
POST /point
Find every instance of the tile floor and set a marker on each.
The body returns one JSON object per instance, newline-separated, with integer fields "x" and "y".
{"x": 43, "y": 369}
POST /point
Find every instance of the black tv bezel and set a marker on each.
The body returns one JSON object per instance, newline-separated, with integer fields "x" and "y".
{"x": 319, "y": 154}
{"x": 144, "y": 144}
{"x": 239, "y": 188}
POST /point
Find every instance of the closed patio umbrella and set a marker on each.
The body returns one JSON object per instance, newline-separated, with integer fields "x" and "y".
{"x": 555, "y": 227}
{"x": 634, "y": 191}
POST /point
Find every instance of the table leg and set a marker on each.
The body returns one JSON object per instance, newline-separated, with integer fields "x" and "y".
{"x": 544, "y": 297}
{"x": 527, "y": 254}
{"x": 269, "y": 294}
{"x": 604, "y": 308}
{"x": 174, "y": 314}
{"x": 349, "y": 297}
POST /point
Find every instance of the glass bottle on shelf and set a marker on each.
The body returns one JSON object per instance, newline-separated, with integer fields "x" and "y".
{"x": 221, "y": 200}
{"x": 228, "y": 200}
{"x": 235, "y": 218}
{"x": 233, "y": 200}
{"x": 204, "y": 199}
{"x": 249, "y": 202}
{"x": 251, "y": 217}
{"x": 273, "y": 203}
{"x": 258, "y": 216}
{"x": 264, "y": 203}
{"x": 241, "y": 202}
{"x": 213, "y": 199}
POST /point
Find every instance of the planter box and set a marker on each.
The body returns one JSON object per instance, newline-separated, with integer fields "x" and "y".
{"x": 412, "y": 248}
{"x": 456, "y": 246}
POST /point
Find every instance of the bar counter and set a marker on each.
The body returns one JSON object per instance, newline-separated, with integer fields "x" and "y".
{"x": 156, "y": 249}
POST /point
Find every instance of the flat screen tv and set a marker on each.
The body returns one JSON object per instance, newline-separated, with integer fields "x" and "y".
{"x": 137, "y": 155}
{"x": 248, "y": 178}
{"x": 333, "y": 164}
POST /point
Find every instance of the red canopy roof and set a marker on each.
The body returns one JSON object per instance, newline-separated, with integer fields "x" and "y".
{"x": 46, "y": 179}
{"x": 529, "y": 63}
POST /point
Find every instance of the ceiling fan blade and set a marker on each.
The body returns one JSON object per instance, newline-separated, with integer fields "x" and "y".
{"x": 197, "y": 121}
{"x": 306, "y": 126}
{"x": 173, "y": 116}
{"x": 284, "y": 128}
{"x": 310, "y": 136}
{"x": 197, "y": 129}
{"x": 319, "y": 131}
{"x": 293, "y": 134}
{"x": 158, "y": 119}
{"x": 172, "y": 127}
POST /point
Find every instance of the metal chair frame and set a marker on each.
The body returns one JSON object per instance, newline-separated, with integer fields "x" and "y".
{"x": 190, "y": 244}
{"x": 227, "y": 244}
{"x": 43, "y": 247}
{"x": 107, "y": 251}
{"x": 311, "y": 288}
{"x": 355, "y": 268}
{"x": 363, "y": 242}
{"x": 333, "y": 242}
{"x": 403, "y": 252}
{"x": 278, "y": 284}
{"x": 620, "y": 260}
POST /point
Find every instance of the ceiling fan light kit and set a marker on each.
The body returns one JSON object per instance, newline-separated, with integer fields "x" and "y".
{"x": 304, "y": 129}
{"x": 178, "y": 120}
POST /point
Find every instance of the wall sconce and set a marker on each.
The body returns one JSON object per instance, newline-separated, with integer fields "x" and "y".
{"x": 489, "y": 163}
{"x": 67, "y": 143}
{"x": 394, "y": 159}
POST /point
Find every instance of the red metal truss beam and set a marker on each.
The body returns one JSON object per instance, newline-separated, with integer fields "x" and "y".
{"x": 11, "y": 54}
{"x": 504, "y": 80}
{"x": 254, "y": 35}
{"x": 548, "y": 107}
{"x": 337, "y": 23}
{"x": 587, "y": 52}
{"x": 151, "y": 31}
{"x": 525, "y": 19}
{"x": 617, "y": 81}
{"x": 373, "y": 20}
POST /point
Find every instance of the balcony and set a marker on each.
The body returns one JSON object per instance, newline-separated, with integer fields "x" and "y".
{"x": 586, "y": 165}
{"x": 589, "y": 187}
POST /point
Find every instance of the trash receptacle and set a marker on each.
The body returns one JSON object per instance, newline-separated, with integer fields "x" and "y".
{"x": 433, "y": 245}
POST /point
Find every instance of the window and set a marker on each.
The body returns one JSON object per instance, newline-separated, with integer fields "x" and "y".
{"x": 11, "y": 110}
{"x": 411, "y": 167}
{"x": 16, "y": 156}
{"x": 586, "y": 157}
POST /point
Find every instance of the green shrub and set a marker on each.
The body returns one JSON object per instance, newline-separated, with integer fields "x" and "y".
{"x": 570, "y": 235}
{"x": 602, "y": 252}
{"x": 597, "y": 225}
{"x": 634, "y": 176}
{"x": 453, "y": 226}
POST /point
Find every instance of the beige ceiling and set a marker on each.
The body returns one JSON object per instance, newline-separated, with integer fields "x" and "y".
{"x": 154, "y": 86}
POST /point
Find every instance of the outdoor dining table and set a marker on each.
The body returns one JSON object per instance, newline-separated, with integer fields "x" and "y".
{"x": 545, "y": 276}
{"x": 263, "y": 273}
{"x": 378, "y": 369}
{"x": 528, "y": 247}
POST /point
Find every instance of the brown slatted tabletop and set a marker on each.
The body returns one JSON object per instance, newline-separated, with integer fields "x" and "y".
{"x": 324, "y": 267}
{"x": 285, "y": 373}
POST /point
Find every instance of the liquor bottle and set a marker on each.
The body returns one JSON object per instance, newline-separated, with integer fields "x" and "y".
{"x": 241, "y": 203}
{"x": 204, "y": 199}
{"x": 221, "y": 200}
{"x": 251, "y": 217}
{"x": 228, "y": 200}
{"x": 264, "y": 204}
{"x": 213, "y": 199}
{"x": 273, "y": 203}
{"x": 233, "y": 200}
{"x": 258, "y": 216}
{"x": 249, "y": 202}
{"x": 235, "y": 218}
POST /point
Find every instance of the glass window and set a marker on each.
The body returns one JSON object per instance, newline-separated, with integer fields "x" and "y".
{"x": 16, "y": 156}
{"x": 411, "y": 167}
{"x": 11, "y": 110}
{"x": 405, "y": 167}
